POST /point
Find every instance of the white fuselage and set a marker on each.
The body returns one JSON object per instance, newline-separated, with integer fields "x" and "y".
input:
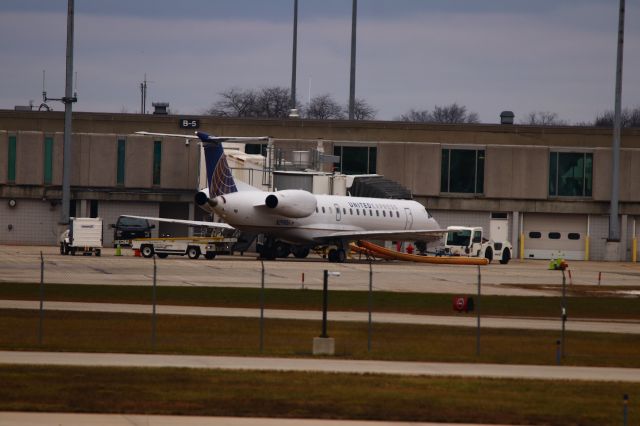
{"x": 247, "y": 211}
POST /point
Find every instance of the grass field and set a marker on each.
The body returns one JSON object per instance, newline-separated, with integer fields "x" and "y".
{"x": 417, "y": 303}
{"x": 108, "y": 332}
{"x": 317, "y": 395}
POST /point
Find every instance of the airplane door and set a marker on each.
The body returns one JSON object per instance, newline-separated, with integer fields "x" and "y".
{"x": 408, "y": 218}
{"x": 338, "y": 215}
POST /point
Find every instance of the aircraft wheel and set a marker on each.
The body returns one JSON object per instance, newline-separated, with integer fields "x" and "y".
{"x": 281, "y": 249}
{"x": 332, "y": 255}
{"x": 147, "y": 251}
{"x": 341, "y": 256}
{"x": 193, "y": 252}
{"x": 301, "y": 252}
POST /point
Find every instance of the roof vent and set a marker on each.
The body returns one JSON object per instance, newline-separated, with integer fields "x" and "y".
{"x": 506, "y": 117}
{"x": 160, "y": 108}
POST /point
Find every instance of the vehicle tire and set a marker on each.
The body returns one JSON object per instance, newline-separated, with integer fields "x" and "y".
{"x": 162, "y": 255}
{"x": 301, "y": 252}
{"x": 193, "y": 252}
{"x": 98, "y": 252}
{"x": 506, "y": 256}
{"x": 72, "y": 250}
{"x": 64, "y": 250}
{"x": 146, "y": 251}
{"x": 488, "y": 254}
{"x": 210, "y": 255}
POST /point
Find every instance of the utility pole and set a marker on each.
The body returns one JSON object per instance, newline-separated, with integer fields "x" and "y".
{"x": 352, "y": 82}
{"x": 143, "y": 95}
{"x": 614, "y": 224}
{"x": 68, "y": 101}
{"x": 293, "y": 112}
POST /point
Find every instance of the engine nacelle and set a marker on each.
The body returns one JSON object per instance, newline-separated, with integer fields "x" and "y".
{"x": 203, "y": 201}
{"x": 294, "y": 203}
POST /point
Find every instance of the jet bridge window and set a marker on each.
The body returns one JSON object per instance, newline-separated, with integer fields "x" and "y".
{"x": 355, "y": 160}
{"x": 462, "y": 171}
{"x": 570, "y": 174}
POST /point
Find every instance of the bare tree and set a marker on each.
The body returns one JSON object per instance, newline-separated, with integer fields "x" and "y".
{"x": 273, "y": 102}
{"x": 417, "y": 116}
{"x": 543, "y": 118}
{"x": 628, "y": 118}
{"x": 449, "y": 114}
{"x": 362, "y": 110}
{"x": 323, "y": 107}
{"x": 268, "y": 102}
{"x": 453, "y": 114}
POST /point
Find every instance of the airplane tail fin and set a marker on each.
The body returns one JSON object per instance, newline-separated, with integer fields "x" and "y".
{"x": 219, "y": 175}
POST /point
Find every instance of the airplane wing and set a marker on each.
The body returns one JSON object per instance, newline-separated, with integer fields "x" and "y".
{"x": 219, "y": 225}
{"x": 205, "y": 137}
{"x": 408, "y": 235}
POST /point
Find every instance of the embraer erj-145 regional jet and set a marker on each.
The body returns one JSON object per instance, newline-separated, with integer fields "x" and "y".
{"x": 294, "y": 220}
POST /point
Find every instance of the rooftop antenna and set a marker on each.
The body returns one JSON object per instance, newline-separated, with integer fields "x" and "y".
{"x": 143, "y": 95}
{"x": 64, "y": 100}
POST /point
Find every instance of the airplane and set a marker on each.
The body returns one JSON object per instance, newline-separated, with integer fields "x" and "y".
{"x": 296, "y": 221}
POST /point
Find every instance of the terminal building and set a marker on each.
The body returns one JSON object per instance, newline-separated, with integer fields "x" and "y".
{"x": 544, "y": 188}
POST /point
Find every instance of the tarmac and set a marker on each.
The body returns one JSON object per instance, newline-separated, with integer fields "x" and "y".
{"x": 518, "y": 278}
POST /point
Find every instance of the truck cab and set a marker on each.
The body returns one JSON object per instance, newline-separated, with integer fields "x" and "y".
{"x": 129, "y": 228}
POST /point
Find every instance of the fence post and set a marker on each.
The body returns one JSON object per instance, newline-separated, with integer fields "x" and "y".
{"x": 41, "y": 300}
{"x": 153, "y": 318}
{"x": 262, "y": 308}
{"x": 370, "y": 303}
{"x": 563, "y": 313}
{"x": 477, "y": 307}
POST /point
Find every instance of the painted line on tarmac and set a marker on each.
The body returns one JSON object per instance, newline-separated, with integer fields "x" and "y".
{"x": 323, "y": 365}
{"x": 622, "y": 327}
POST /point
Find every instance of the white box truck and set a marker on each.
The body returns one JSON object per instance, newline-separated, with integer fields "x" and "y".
{"x": 84, "y": 235}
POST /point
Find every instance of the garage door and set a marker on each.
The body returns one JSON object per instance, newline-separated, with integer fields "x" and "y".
{"x": 548, "y": 236}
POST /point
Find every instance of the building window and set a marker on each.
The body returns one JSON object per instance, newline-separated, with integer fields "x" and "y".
{"x": 157, "y": 161}
{"x": 120, "y": 166}
{"x": 462, "y": 171}
{"x": 570, "y": 174}
{"x": 48, "y": 160}
{"x": 355, "y": 160}
{"x": 11, "y": 169}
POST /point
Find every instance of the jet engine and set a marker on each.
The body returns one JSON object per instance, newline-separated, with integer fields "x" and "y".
{"x": 294, "y": 203}
{"x": 203, "y": 201}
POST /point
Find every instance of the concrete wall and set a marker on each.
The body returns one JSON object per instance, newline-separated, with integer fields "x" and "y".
{"x": 29, "y": 158}
{"x": 415, "y": 166}
{"x": 516, "y": 172}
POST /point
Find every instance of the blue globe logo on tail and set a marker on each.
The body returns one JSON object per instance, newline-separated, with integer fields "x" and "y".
{"x": 219, "y": 174}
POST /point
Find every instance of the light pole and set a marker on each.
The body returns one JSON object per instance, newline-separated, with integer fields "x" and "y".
{"x": 352, "y": 79}
{"x": 293, "y": 113}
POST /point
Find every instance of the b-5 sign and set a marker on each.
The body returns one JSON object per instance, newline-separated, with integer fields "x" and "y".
{"x": 189, "y": 123}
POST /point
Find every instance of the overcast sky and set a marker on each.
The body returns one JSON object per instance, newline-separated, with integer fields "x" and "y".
{"x": 491, "y": 55}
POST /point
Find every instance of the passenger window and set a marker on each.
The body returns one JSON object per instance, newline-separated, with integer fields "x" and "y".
{"x": 397, "y": 213}
{"x": 317, "y": 210}
{"x": 351, "y": 212}
{"x": 535, "y": 235}
{"x": 344, "y": 211}
{"x": 384, "y": 213}
{"x": 554, "y": 235}
{"x": 377, "y": 213}
{"x": 573, "y": 236}
{"x": 323, "y": 209}
{"x": 358, "y": 212}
